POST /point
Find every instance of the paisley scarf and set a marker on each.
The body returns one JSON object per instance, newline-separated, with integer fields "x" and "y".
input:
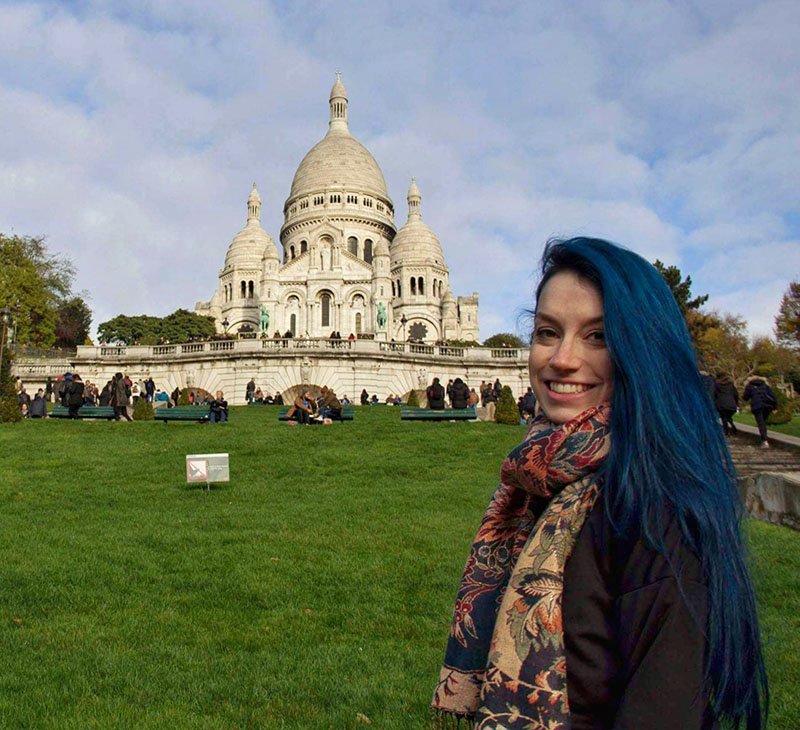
{"x": 504, "y": 665}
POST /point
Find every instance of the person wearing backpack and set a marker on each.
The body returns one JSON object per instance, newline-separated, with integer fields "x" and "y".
{"x": 762, "y": 402}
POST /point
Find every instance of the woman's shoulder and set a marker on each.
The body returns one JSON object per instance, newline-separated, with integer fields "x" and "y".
{"x": 629, "y": 561}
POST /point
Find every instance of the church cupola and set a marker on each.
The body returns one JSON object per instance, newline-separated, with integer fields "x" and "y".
{"x": 414, "y": 201}
{"x": 338, "y": 102}
{"x": 254, "y": 206}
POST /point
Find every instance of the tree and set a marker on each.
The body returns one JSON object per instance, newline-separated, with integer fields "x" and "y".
{"x": 506, "y": 410}
{"x": 33, "y": 283}
{"x": 180, "y": 326}
{"x": 787, "y": 321}
{"x": 681, "y": 288}
{"x": 503, "y": 339}
{"x": 74, "y": 320}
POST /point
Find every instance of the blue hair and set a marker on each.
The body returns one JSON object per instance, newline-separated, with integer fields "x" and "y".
{"x": 667, "y": 449}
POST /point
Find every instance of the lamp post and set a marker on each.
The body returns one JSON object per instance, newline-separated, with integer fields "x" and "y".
{"x": 225, "y": 324}
{"x": 6, "y": 312}
{"x": 404, "y": 321}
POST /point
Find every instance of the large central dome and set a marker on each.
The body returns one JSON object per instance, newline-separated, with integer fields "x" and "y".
{"x": 338, "y": 160}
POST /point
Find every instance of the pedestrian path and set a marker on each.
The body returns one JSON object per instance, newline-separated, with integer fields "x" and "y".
{"x": 749, "y": 458}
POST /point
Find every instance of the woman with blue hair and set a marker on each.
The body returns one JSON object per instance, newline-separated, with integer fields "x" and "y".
{"x": 607, "y": 586}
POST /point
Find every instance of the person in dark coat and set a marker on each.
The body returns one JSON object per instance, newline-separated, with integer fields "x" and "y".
{"x": 218, "y": 409}
{"x": 459, "y": 394}
{"x": 364, "y": 397}
{"x": 119, "y": 397}
{"x": 63, "y": 388}
{"x": 726, "y": 400}
{"x": 528, "y": 404}
{"x": 435, "y": 393}
{"x": 762, "y": 402}
{"x": 75, "y": 396}
{"x": 39, "y": 405}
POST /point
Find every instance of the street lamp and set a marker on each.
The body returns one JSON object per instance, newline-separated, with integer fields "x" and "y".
{"x": 404, "y": 321}
{"x": 6, "y": 317}
{"x": 225, "y": 324}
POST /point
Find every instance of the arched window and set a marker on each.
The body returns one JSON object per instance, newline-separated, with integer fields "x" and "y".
{"x": 399, "y": 289}
{"x": 326, "y": 310}
{"x": 303, "y": 246}
{"x": 421, "y": 285}
{"x": 352, "y": 245}
{"x": 291, "y": 252}
{"x": 358, "y": 323}
{"x": 393, "y": 290}
{"x": 413, "y": 285}
{"x": 244, "y": 290}
{"x": 250, "y": 289}
{"x": 293, "y": 324}
{"x": 368, "y": 250}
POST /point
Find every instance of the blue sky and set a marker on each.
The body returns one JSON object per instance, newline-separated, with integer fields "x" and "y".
{"x": 132, "y": 132}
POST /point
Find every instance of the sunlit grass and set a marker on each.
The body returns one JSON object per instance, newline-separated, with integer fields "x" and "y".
{"x": 316, "y": 585}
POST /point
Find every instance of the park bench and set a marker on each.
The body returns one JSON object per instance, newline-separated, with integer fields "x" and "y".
{"x": 182, "y": 413}
{"x": 448, "y": 414}
{"x": 106, "y": 412}
{"x": 347, "y": 414}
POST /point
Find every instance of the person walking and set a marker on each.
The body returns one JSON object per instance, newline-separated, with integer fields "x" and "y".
{"x": 726, "y": 401}
{"x": 762, "y": 402}
{"x": 75, "y": 396}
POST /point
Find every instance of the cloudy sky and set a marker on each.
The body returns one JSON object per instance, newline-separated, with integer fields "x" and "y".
{"x": 132, "y": 131}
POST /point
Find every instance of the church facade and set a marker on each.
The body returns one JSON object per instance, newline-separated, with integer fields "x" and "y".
{"x": 342, "y": 266}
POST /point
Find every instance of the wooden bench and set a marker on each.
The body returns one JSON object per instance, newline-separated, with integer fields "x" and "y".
{"x": 347, "y": 414}
{"x": 106, "y": 412}
{"x": 447, "y": 414}
{"x": 182, "y": 413}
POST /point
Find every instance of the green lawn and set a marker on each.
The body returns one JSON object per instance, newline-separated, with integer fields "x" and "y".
{"x": 312, "y": 591}
{"x": 792, "y": 428}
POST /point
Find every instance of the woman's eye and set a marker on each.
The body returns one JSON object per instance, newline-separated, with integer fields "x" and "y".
{"x": 598, "y": 336}
{"x": 545, "y": 333}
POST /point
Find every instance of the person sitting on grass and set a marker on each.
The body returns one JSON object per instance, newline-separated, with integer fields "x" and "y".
{"x": 218, "y": 409}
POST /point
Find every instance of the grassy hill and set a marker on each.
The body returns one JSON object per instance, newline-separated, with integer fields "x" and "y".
{"x": 312, "y": 591}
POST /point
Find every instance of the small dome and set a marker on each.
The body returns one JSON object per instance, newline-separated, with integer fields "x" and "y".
{"x": 449, "y": 297}
{"x": 415, "y": 241}
{"x": 381, "y": 248}
{"x": 249, "y": 246}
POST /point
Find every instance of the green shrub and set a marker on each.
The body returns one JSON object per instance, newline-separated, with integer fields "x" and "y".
{"x": 183, "y": 398}
{"x": 506, "y": 410}
{"x": 413, "y": 399}
{"x": 9, "y": 403}
{"x": 143, "y": 411}
{"x": 783, "y": 413}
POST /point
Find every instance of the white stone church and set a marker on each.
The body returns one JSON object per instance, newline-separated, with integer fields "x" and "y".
{"x": 344, "y": 267}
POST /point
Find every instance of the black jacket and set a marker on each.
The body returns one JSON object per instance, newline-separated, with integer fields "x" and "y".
{"x": 459, "y": 394}
{"x": 435, "y": 395}
{"x": 75, "y": 393}
{"x": 726, "y": 397}
{"x": 760, "y": 395}
{"x": 634, "y": 649}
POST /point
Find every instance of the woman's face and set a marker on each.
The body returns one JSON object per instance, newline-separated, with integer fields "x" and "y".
{"x": 569, "y": 364}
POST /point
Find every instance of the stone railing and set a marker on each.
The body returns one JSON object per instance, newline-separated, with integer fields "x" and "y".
{"x": 282, "y": 345}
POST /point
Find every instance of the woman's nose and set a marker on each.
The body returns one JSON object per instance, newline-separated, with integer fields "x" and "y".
{"x": 566, "y": 355}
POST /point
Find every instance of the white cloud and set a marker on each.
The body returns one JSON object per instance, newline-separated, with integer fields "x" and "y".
{"x": 132, "y": 133}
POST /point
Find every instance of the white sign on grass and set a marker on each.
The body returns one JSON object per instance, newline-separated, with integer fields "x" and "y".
{"x": 207, "y": 468}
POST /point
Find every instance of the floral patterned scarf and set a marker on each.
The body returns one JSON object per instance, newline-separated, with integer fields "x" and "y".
{"x": 505, "y": 665}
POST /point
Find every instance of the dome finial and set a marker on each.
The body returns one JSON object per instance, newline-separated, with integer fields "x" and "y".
{"x": 414, "y": 201}
{"x": 338, "y": 103}
{"x": 254, "y": 206}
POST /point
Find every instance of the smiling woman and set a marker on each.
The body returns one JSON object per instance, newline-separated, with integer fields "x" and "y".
{"x": 606, "y": 587}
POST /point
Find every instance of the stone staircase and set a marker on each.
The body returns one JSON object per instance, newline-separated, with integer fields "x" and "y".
{"x": 750, "y": 458}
